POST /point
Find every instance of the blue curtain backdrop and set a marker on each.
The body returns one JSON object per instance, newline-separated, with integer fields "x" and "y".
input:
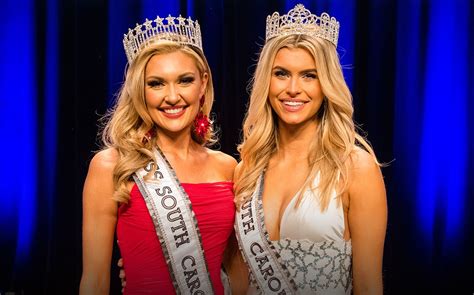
{"x": 409, "y": 64}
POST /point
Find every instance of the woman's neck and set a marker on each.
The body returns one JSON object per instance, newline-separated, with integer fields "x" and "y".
{"x": 177, "y": 144}
{"x": 294, "y": 141}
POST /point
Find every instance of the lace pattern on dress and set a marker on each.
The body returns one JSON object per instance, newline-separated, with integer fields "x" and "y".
{"x": 318, "y": 268}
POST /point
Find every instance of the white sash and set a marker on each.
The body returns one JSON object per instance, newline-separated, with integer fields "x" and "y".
{"x": 271, "y": 276}
{"x": 176, "y": 227}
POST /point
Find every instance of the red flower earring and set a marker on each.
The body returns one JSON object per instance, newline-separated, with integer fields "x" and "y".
{"x": 201, "y": 122}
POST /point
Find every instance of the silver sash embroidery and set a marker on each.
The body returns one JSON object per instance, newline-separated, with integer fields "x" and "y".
{"x": 271, "y": 276}
{"x": 176, "y": 227}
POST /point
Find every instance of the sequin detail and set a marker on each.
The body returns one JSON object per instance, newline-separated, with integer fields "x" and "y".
{"x": 318, "y": 268}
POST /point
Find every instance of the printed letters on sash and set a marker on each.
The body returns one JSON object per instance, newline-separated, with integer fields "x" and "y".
{"x": 271, "y": 276}
{"x": 176, "y": 227}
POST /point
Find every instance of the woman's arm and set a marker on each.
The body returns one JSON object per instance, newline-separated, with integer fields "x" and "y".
{"x": 367, "y": 218}
{"x": 99, "y": 220}
{"x": 234, "y": 263}
{"x": 235, "y": 267}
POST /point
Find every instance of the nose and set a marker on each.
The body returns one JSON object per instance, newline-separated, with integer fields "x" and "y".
{"x": 172, "y": 96}
{"x": 293, "y": 88}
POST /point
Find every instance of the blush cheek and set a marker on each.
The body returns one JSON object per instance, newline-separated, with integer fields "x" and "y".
{"x": 276, "y": 87}
{"x": 153, "y": 98}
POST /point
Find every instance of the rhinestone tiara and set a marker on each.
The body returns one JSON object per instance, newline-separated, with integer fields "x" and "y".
{"x": 177, "y": 29}
{"x": 300, "y": 20}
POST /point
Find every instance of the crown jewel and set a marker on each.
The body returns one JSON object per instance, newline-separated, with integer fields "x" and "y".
{"x": 177, "y": 29}
{"x": 300, "y": 20}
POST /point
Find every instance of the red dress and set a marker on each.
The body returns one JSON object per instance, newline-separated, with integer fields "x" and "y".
{"x": 144, "y": 264}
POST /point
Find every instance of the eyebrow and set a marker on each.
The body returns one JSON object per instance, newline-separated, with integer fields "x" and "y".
{"x": 186, "y": 74}
{"x": 303, "y": 71}
{"x": 179, "y": 77}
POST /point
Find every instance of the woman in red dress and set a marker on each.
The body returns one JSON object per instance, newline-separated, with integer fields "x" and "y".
{"x": 155, "y": 159}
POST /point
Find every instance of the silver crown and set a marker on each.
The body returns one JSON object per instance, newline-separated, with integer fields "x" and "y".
{"x": 300, "y": 20}
{"x": 177, "y": 29}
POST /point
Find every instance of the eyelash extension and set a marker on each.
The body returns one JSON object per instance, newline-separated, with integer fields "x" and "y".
{"x": 280, "y": 73}
{"x": 311, "y": 75}
{"x": 154, "y": 83}
{"x": 187, "y": 80}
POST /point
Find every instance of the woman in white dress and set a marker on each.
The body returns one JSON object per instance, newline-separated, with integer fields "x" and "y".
{"x": 311, "y": 197}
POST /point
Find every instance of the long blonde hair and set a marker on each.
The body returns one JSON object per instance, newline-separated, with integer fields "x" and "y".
{"x": 336, "y": 136}
{"x": 126, "y": 125}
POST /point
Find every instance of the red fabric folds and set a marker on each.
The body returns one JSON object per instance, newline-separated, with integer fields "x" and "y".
{"x": 145, "y": 267}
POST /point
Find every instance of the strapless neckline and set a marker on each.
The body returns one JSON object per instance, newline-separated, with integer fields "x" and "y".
{"x": 225, "y": 182}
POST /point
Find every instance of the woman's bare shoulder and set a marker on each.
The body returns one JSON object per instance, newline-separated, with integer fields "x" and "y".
{"x": 365, "y": 175}
{"x": 362, "y": 161}
{"x": 223, "y": 159}
{"x": 223, "y": 163}
{"x": 106, "y": 157}
{"x": 99, "y": 184}
{"x": 103, "y": 163}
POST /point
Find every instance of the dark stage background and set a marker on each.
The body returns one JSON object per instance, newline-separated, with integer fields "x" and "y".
{"x": 408, "y": 63}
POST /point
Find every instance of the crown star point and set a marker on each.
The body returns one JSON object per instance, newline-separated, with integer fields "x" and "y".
{"x": 181, "y": 20}
{"x": 159, "y": 20}
{"x": 148, "y": 24}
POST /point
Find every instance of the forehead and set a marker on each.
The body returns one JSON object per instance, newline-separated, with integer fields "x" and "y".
{"x": 172, "y": 62}
{"x": 295, "y": 58}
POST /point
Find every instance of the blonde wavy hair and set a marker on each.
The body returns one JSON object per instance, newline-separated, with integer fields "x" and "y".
{"x": 335, "y": 139}
{"x": 126, "y": 125}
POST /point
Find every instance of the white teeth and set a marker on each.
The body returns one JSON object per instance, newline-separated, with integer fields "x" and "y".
{"x": 173, "y": 111}
{"x": 293, "y": 103}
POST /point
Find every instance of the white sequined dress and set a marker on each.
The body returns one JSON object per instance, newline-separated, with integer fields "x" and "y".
{"x": 312, "y": 247}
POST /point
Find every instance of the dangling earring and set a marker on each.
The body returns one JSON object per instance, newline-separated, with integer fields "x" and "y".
{"x": 149, "y": 135}
{"x": 201, "y": 122}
